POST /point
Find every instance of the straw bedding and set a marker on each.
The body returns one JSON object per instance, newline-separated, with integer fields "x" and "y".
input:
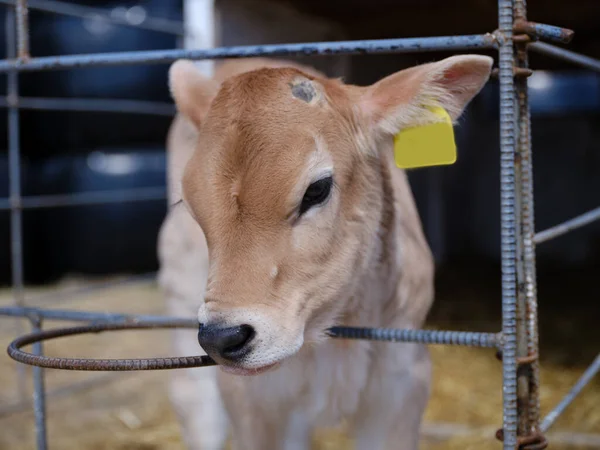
{"x": 131, "y": 411}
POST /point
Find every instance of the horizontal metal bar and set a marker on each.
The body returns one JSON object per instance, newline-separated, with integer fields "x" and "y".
{"x": 86, "y": 316}
{"x": 377, "y": 46}
{"x": 91, "y": 105}
{"x": 377, "y": 334}
{"x": 569, "y": 225}
{"x": 87, "y": 12}
{"x": 85, "y": 198}
{"x": 565, "y": 55}
{"x": 587, "y": 376}
{"x": 543, "y": 31}
{"x": 466, "y": 338}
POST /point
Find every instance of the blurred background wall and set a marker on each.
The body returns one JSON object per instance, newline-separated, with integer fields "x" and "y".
{"x": 65, "y": 152}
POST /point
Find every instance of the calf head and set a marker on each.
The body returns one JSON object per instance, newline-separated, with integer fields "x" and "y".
{"x": 286, "y": 184}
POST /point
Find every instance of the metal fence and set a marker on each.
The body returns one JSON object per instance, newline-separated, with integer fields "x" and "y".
{"x": 522, "y": 427}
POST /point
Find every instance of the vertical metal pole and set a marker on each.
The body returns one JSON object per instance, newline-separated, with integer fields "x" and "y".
{"x": 22, "y": 34}
{"x": 39, "y": 394}
{"x": 22, "y": 28}
{"x": 528, "y": 284}
{"x": 508, "y": 238}
{"x": 520, "y": 172}
{"x": 16, "y": 239}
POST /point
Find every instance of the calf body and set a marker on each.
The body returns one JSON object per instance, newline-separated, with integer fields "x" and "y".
{"x": 291, "y": 217}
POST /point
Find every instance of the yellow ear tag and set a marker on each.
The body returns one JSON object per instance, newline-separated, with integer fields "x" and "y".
{"x": 426, "y": 145}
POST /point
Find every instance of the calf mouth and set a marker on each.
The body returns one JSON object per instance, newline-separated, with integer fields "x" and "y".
{"x": 240, "y": 371}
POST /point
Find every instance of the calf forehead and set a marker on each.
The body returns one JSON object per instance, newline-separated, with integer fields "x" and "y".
{"x": 267, "y": 122}
{"x": 259, "y": 142}
{"x": 269, "y": 101}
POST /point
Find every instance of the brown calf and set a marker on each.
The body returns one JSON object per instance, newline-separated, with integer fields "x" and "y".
{"x": 294, "y": 218}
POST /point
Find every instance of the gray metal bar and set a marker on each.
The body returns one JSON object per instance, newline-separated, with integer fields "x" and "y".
{"x": 92, "y": 105}
{"x": 22, "y": 29}
{"x": 39, "y": 393}
{"x": 587, "y": 376}
{"x": 508, "y": 223}
{"x": 14, "y": 168}
{"x": 567, "y": 226}
{"x": 85, "y": 316}
{"x": 87, "y": 12}
{"x": 87, "y": 198}
{"x": 566, "y": 55}
{"x": 377, "y": 46}
{"x": 464, "y": 338}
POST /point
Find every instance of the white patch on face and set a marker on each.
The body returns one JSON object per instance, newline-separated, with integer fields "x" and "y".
{"x": 319, "y": 165}
{"x": 274, "y": 272}
{"x": 202, "y": 314}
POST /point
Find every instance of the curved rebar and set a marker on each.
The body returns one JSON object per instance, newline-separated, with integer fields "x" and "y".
{"x": 88, "y": 364}
{"x": 103, "y": 364}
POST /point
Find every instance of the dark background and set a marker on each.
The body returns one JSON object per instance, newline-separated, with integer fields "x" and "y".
{"x": 66, "y": 152}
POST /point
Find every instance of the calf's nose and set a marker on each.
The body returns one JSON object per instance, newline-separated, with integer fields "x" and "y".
{"x": 228, "y": 343}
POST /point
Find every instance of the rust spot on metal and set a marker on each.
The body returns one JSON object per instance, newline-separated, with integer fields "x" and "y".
{"x": 522, "y": 39}
{"x": 543, "y": 31}
{"x": 519, "y": 72}
{"x": 521, "y": 361}
{"x": 526, "y": 360}
{"x": 535, "y": 441}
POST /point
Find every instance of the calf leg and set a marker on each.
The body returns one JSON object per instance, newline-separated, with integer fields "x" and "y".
{"x": 197, "y": 402}
{"x": 199, "y": 410}
{"x": 395, "y": 399}
{"x": 260, "y": 423}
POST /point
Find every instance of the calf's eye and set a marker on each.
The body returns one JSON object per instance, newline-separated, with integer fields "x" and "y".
{"x": 316, "y": 194}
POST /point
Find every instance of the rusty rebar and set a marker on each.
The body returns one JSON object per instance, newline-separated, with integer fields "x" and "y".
{"x": 543, "y": 31}
{"x": 22, "y": 15}
{"x": 113, "y": 322}
{"x": 529, "y": 414}
{"x": 102, "y": 364}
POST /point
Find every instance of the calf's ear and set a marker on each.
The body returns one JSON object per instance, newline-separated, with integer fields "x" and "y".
{"x": 403, "y": 99}
{"x": 191, "y": 90}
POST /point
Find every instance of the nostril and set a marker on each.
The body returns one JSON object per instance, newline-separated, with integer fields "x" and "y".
{"x": 230, "y": 343}
{"x": 238, "y": 341}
